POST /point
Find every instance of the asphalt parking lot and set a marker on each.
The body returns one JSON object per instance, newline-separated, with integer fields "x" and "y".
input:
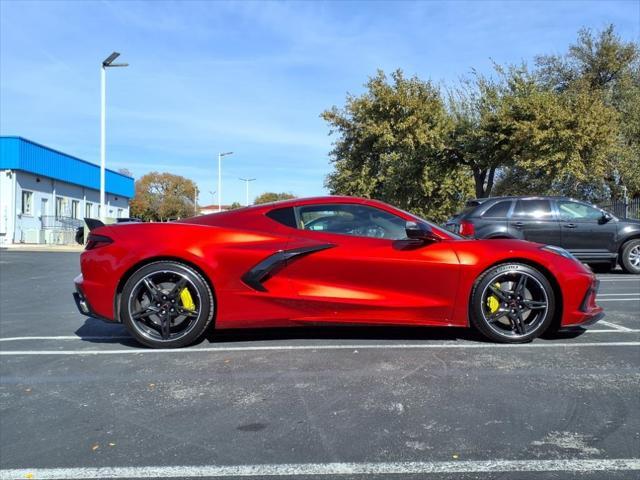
{"x": 79, "y": 399}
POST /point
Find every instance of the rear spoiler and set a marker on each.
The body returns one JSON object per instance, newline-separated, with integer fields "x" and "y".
{"x": 93, "y": 223}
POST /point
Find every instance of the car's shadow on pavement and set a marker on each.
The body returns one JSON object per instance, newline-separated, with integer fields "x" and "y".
{"x": 98, "y": 331}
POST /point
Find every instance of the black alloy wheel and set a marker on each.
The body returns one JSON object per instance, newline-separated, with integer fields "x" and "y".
{"x": 512, "y": 303}
{"x": 166, "y": 305}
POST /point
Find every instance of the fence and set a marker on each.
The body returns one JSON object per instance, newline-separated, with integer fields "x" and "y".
{"x": 620, "y": 208}
{"x": 50, "y": 222}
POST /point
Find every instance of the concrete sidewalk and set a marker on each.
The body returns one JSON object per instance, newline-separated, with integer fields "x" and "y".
{"x": 33, "y": 247}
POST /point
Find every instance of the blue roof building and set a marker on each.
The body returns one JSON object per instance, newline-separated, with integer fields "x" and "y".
{"x": 45, "y": 194}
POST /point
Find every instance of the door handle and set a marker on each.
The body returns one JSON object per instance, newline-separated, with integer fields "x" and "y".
{"x": 518, "y": 224}
{"x": 570, "y": 225}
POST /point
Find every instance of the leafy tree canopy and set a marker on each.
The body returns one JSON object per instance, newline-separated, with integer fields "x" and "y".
{"x": 390, "y": 146}
{"x": 163, "y": 196}
{"x": 272, "y": 197}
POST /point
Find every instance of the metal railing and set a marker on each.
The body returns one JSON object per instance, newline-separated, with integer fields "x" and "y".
{"x": 60, "y": 223}
{"x": 622, "y": 209}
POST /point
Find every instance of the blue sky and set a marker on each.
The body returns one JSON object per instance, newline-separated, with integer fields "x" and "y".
{"x": 249, "y": 77}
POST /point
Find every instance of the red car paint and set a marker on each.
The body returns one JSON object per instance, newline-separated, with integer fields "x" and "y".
{"x": 360, "y": 280}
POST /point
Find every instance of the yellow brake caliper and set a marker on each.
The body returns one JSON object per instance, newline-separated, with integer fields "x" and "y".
{"x": 187, "y": 300}
{"x": 492, "y": 301}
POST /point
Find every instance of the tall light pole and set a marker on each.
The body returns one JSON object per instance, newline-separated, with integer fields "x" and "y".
{"x": 246, "y": 184}
{"x": 220, "y": 155}
{"x": 108, "y": 62}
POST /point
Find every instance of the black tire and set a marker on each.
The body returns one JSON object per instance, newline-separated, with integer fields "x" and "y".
{"x": 153, "y": 308}
{"x": 526, "y": 303}
{"x": 630, "y": 256}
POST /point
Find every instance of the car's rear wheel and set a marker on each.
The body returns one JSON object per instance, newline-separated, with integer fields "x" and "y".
{"x": 630, "y": 256}
{"x": 166, "y": 304}
{"x": 512, "y": 303}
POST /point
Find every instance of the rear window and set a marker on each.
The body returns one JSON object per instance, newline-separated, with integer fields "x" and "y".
{"x": 285, "y": 216}
{"x": 499, "y": 210}
{"x": 540, "y": 209}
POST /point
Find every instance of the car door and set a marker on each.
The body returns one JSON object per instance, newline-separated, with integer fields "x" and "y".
{"x": 370, "y": 273}
{"x": 535, "y": 221}
{"x": 585, "y": 232}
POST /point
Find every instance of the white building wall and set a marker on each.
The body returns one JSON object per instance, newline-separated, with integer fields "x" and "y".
{"x": 19, "y": 227}
{"x": 7, "y": 206}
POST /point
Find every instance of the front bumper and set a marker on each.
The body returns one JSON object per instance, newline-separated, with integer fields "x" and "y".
{"x": 588, "y": 312}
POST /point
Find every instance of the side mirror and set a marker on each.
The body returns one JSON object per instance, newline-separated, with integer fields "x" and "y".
{"x": 420, "y": 231}
{"x": 606, "y": 217}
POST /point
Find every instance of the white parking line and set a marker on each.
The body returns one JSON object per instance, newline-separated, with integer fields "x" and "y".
{"x": 66, "y": 337}
{"x": 322, "y": 469}
{"x": 384, "y": 346}
{"x": 620, "y": 328}
{"x": 618, "y": 295}
{"x": 618, "y": 299}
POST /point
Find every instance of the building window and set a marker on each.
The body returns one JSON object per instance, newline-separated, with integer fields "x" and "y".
{"x": 87, "y": 209}
{"x": 27, "y": 202}
{"x": 119, "y": 213}
{"x": 99, "y": 210}
{"x": 59, "y": 207}
{"x": 75, "y": 205}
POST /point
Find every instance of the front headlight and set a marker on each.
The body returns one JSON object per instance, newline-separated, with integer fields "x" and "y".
{"x": 559, "y": 251}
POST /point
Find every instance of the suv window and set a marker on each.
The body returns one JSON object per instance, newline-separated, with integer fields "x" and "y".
{"x": 352, "y": 219}
{"x": 577, "y": 211}
{"x": 285, "y": 216}
{"x": 533, "y": 209}
{"x": 499, "y": 210}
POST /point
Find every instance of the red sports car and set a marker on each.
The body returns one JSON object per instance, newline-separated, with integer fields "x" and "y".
{"x": 328, "y": 260}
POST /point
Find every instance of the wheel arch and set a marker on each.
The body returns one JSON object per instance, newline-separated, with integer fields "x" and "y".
{"x": 557, "y": 317}
{"x": 623, "y": 242}
{"x": 163, "y": 258}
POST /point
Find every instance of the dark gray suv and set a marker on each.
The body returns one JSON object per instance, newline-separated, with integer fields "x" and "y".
{"x": 593, "y": 235}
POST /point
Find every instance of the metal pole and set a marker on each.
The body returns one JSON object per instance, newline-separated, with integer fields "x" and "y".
{"x": 219, "y": 182}
{"x": 246, "y": 183}
{"x": 103, "y": 138}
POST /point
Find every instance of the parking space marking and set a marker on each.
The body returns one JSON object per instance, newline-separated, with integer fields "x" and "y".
{"x": 615, "y": 326}
{"x": 618, "y": 294}
{"x": 67, "y": 337}
{"x": 336, "y": 468}
{"x": 384, "y": 346}
{"x": 618, "y": 299}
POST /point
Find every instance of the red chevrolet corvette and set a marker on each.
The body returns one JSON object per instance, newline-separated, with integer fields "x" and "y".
{"x": 328, "y": 260}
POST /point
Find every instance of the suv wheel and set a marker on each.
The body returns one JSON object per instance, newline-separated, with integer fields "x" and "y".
{"x": 630, "y": 258}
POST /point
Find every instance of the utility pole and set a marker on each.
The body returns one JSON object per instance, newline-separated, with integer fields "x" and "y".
{"x": 246, "y": 184}
{"x": 107, "y": 63}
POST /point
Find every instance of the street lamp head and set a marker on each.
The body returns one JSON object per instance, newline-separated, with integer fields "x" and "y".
{"x": 225, "y": 154}
{"x": 109, "y": 60}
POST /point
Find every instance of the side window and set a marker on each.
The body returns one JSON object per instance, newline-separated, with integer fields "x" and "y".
{"x": 352, "y": 219}
{"x": 533, "y": 209}
{"x": 499, "y": 210}
{"x": 577, "y": 211}
{"x": 285, "y": 216}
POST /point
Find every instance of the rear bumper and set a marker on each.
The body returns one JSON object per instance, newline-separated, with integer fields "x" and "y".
{"x": 84, "y": 307}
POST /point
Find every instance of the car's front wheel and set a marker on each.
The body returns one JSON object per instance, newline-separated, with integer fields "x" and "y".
{"x": 512, "y": 303}
{"x": 630, "y": 256}
{"x": 166, "y": 304}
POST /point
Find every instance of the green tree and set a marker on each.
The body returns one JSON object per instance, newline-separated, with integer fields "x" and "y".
{"x": 272, "y": 197}
{"x": 609, "y": 68}
{"x": 391, "y": 144}
{"x": 163, "y": 196}
{"x": 479, "y": 139}
{"x": 235, "y": 206}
